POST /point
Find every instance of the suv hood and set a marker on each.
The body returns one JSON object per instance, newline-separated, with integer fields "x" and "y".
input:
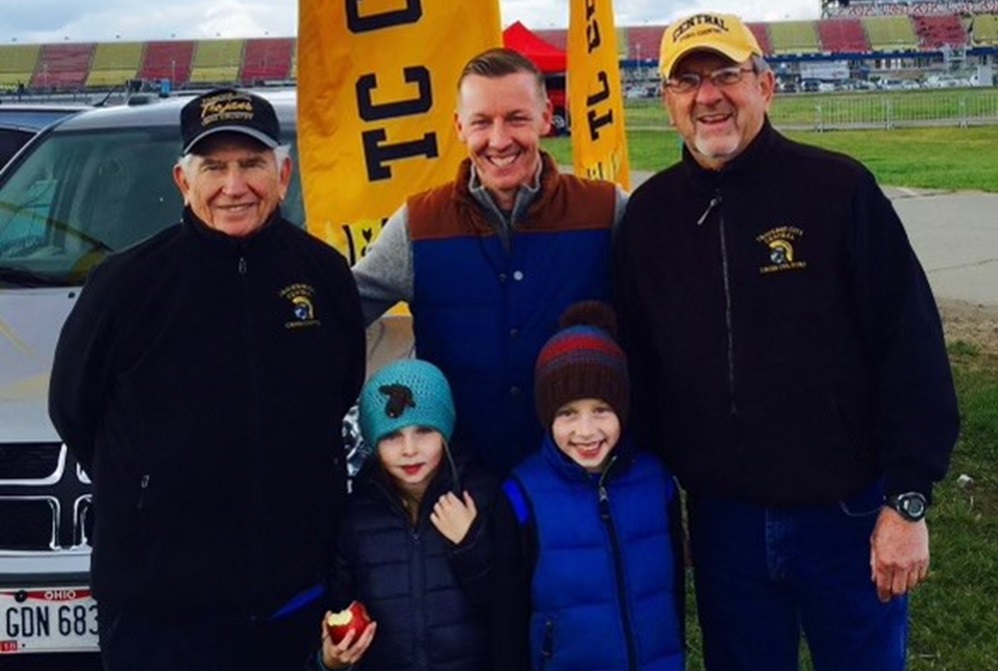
{"x": 30, "y": 322}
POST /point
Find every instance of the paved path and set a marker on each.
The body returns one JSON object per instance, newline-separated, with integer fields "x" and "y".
{"x": 955, "y": 235}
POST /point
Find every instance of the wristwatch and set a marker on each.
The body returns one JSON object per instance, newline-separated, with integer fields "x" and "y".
{"x": 910, "y": 505}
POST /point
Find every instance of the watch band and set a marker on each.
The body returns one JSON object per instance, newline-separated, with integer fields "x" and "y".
{"x": 910, "y": 505}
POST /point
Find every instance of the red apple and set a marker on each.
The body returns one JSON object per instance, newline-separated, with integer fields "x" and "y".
{"x": 353, "y": 618}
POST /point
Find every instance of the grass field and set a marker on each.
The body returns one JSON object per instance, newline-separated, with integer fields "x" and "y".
{"x": 954, "y": 619}
{"x": 950, "y": 158}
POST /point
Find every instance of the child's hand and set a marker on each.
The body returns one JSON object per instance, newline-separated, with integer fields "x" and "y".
{"x": 347, "y": 652}
{"x": 452, "y": 517}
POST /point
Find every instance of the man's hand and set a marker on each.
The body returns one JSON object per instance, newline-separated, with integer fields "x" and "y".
{"x": 899, "y": 554}
{"x": 347, "y": 652}
{"x": 453, "y": 517}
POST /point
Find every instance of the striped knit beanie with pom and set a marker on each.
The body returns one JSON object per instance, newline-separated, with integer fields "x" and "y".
{"x": 582, "y": 360}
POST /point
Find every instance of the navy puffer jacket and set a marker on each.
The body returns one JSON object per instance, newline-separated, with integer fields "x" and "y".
{"x": 425, "y": 593}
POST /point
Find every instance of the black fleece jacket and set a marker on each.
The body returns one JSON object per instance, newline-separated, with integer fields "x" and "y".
{"x": 784, "y": 344}
{"x": 202, "y": 381}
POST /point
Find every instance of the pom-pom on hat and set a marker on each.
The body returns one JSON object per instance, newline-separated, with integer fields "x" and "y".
{"x": 581, "y": 361}
{"x": 407, "y": 392}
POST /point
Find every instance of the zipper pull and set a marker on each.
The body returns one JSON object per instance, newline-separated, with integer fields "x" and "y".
{"x": 714, "y": 202}
{"x": 547, "y": 648}
{"x": 242, "y": 265}
{"x": 143, "y": 486}
{"x": 604, "y": 503}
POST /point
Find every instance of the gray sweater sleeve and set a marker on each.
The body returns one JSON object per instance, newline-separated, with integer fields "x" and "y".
{"x": 384, "y": 274}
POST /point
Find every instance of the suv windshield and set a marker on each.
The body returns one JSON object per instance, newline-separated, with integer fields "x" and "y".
{"x": 80, "y": 195}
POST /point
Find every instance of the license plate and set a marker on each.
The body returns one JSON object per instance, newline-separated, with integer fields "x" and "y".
{"x": 62, "y": 619}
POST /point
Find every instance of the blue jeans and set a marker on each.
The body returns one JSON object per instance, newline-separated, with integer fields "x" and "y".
{"x": 765, "y": 575}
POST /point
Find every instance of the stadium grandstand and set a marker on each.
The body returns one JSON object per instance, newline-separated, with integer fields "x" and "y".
{"x": 217, "y": 61}
{"x": 18, "y": 63}
{"x": 913, "y": 39}
{"x": 267, "y": 60}
{"x": 114, "y": 63}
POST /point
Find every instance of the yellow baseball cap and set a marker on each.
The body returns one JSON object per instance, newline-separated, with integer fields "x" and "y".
{"x": 723, "y": 33}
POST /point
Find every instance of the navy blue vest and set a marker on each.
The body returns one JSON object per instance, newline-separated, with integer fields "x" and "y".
{"x": 603, "y": 592}
{"x": 481, "y": 313}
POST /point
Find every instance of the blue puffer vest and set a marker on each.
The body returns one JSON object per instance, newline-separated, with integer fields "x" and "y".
{"x": 481, "y": 313}
{"x": 604, "y": 587}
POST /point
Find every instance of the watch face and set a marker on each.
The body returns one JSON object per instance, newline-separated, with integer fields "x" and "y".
{"x": 914, "y": 506}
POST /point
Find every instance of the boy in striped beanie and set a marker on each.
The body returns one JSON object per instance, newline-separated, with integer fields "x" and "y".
{"x": 586, "y": 510}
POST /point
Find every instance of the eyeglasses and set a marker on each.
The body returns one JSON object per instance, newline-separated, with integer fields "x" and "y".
{"x": 691, "y": 81}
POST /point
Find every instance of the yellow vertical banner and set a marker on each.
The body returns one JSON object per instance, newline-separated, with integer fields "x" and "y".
{"x": 377, "y": 88}
{"x": 595, "y": 96}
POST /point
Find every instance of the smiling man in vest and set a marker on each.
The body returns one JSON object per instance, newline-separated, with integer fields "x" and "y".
{"x": 489, "y": 261}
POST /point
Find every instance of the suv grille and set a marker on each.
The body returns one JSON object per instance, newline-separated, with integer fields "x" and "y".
{"x": 20, "y": 461}
{"x": 44, "y": 499}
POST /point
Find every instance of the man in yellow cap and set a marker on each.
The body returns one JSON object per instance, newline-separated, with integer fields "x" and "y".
{"x": 787, "y": 356}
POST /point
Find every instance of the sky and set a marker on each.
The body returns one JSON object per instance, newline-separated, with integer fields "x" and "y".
{"x": 32, "y": 21}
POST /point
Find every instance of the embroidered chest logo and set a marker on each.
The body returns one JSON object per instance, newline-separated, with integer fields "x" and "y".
{"x": 302, "y": 306}
{"x": 399, "y": 398}
{"x": 780, "y": 253}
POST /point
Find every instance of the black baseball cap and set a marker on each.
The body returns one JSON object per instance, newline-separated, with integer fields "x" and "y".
{"x": 229, "y": 111}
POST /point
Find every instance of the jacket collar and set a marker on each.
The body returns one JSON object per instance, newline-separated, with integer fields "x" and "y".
{"x": 748, "y": 162}
{"x": 373, "y": 478}
{"x": 470, "y": 194}
{"x": 215, "y": 239}
{"x": 621, "y": 456}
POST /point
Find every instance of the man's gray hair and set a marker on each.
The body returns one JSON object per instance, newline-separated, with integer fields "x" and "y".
{"x": 759, "y": 64}
{"x": 281, "y": 154}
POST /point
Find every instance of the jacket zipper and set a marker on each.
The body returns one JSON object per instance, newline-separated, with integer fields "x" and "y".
{"x": 257, "y": 485}
{"x": 714, "y": 202}
{"x": 143, "y": 488}
{"x": 420, "y": 594}
{"x": 625, "y": 615}
{"x": 416, "y": 577}
{"x": 728, "y": 319}
{"x": 547, "y": 646}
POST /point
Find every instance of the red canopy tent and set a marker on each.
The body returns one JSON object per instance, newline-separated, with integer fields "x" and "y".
{"x": 547, "y": 57}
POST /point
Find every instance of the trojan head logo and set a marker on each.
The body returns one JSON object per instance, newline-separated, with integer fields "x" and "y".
{"x": 303, "y": 307}
{"x": 779, "y": 245}
{"x": 399, "y": 398}
{"x": 300, "y": 297}
{"x": 783, "y": 252}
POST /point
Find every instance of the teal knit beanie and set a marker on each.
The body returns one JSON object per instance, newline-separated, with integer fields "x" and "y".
{"x": 407, "y": 392}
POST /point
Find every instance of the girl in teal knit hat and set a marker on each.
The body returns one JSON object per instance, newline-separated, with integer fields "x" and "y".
{"x": 413, "y": 548}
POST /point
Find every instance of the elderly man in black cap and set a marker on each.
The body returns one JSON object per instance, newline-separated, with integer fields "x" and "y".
{"x": 201, "y": 380}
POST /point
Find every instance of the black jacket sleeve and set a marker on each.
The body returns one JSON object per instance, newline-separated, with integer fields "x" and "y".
{"x": 342, "y": 574}
{"x": 917, "y": 417}
{"x": 636, "y": 340}
{"x": 84, "y": 371}
{"x": 514, "y": 562}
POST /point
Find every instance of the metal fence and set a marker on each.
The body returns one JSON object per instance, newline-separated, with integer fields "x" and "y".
{"x": 843, "y": 111}
{"x": 887, "y": 112}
